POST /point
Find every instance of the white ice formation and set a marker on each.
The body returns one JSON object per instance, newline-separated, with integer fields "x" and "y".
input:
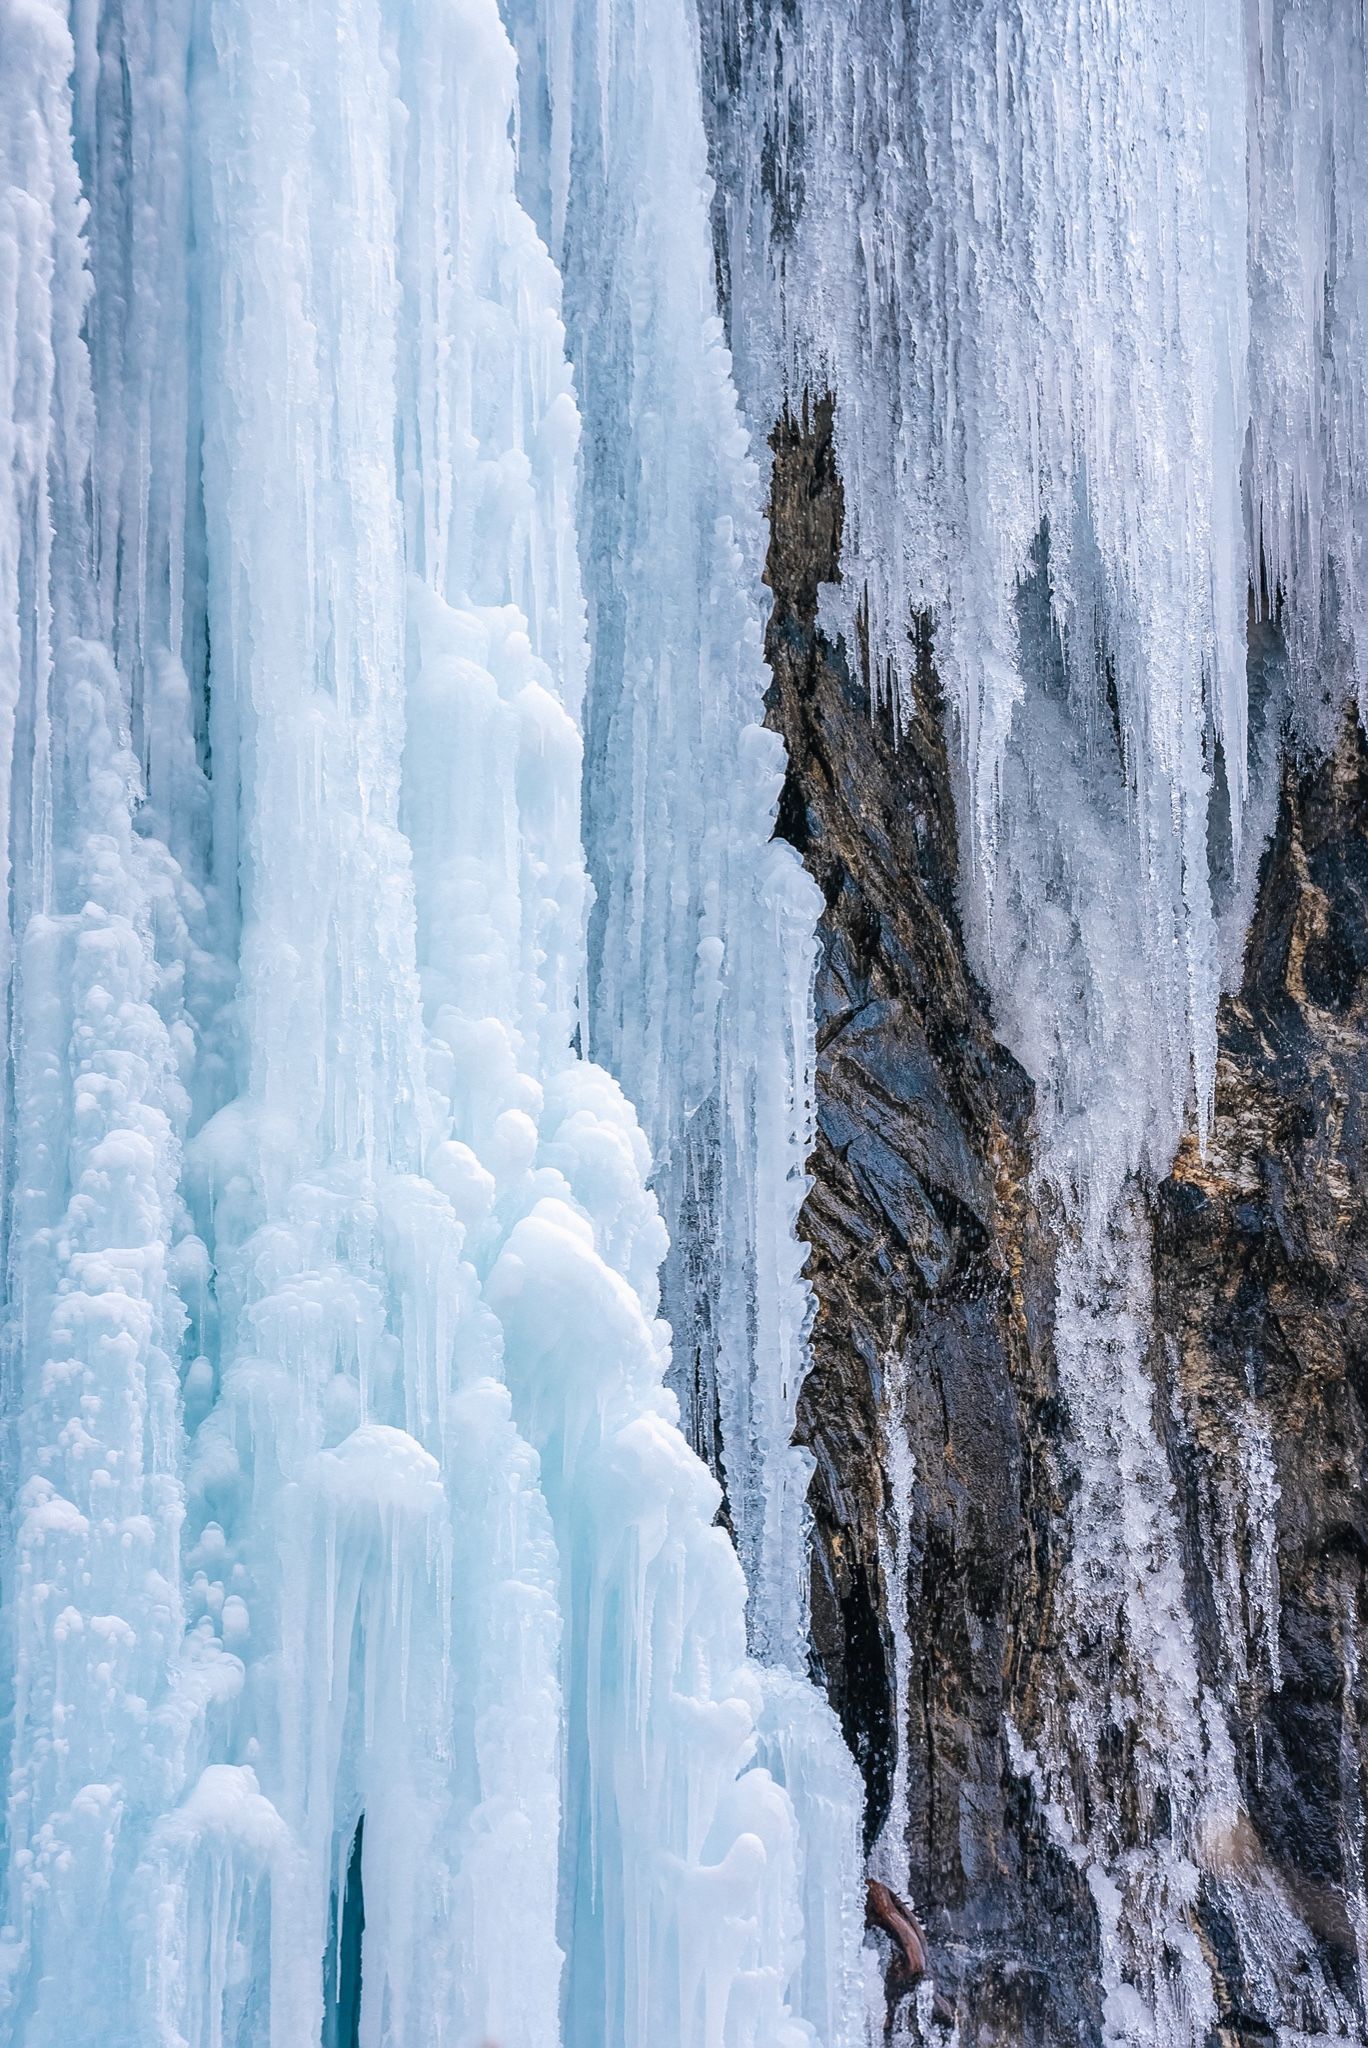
{"x": 701, "y": 942}
{"x": 374, "y": 1667}
{"x": 1090, "y": 283}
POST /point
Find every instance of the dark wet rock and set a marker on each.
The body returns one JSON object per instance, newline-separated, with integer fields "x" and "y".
{"x": 1261, "y": 1266}
{"x": 932, "y": 1276}
{"x": 934, "y": 1287}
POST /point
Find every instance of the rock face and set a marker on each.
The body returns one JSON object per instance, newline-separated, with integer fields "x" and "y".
{"x": 1261, "y": 1268}
{"x": 934, "y": 1284}
{"x": 934, "y": 1289}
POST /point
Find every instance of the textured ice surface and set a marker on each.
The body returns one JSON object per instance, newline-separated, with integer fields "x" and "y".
{"x": 701, "y": 947}
{"x": 353, "y": 1538}
{"x": 340, "y": 1449}
{"x": 701, "y": 942}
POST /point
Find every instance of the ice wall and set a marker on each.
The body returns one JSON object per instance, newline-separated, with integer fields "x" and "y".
{"x": 354, "y": 1541}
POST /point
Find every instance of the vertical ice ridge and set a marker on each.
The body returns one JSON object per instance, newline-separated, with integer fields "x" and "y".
{"x": 131, "y": 116}
{"x": 97, "y": 1604}
{"x": 95, "y": 939}
{"x": 702, "y": 933}
{"x": 701, "y": 937}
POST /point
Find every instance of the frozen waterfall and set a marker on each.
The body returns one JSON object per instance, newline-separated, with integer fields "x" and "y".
{"x": 409, "y": 1001}
{"x": 1089, "y": 284}
{"x": 357, "y": 1567}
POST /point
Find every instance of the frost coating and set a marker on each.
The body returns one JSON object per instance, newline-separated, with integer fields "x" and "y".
{"x": 348, "y": 1484}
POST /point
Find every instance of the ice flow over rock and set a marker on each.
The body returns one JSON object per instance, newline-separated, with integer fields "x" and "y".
{"x": 363, "y": 1602}
{"x": 1088, "y": 284}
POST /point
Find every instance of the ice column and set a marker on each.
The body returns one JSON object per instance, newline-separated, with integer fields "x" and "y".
{"x": 93, "y": 953}
{"x": 701, "y": 939}
{"x": 701, "y": 949}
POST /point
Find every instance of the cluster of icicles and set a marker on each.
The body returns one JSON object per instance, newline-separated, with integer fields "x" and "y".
{"x": 1089, "y": 283}
{"x": 373, "y": 1666}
